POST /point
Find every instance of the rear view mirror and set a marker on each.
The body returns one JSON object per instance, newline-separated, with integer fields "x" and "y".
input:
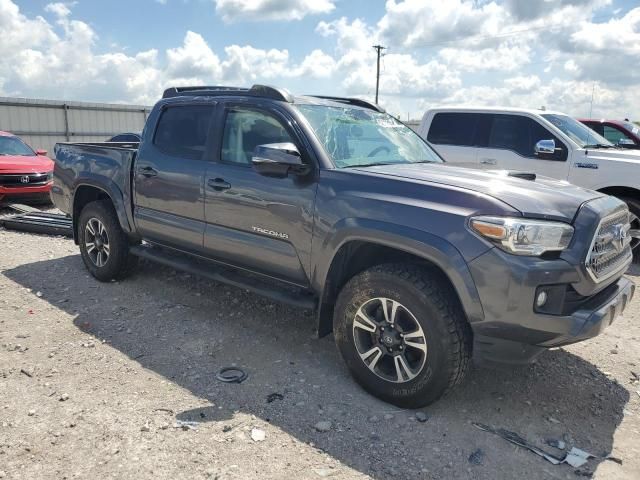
{"x": 41, "y": 152}
{"x": 545, "y": 147}
{"x": 278, "y": 160}
{"x": 626, "y": 142}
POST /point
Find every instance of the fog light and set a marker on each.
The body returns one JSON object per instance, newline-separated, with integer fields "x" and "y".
{"x": 541, "y": 299}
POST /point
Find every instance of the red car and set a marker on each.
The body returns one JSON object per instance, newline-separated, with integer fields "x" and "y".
{"x": 25, "y": 174}
{"x": 622, "y": 133}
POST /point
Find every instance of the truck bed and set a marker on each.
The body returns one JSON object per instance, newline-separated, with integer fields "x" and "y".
{"x": 93, "y": 163}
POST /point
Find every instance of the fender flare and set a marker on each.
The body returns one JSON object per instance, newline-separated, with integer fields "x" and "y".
{"x": 111, "y": 189}
{"x": 422, "y": 244}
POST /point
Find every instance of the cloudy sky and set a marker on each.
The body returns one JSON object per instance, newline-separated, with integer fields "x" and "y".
{"x": 527, "y": 53}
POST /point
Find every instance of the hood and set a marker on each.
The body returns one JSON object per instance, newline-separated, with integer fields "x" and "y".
{"x": 613, "y": 154}
{"x": 540, "y": 198}
{"x": 23, "y": 164}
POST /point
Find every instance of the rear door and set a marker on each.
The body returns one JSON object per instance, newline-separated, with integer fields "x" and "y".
{"x": 169, "y": 176}
{"x": 260, "y": 223}
{"x": 510, "y": 145}
{"x": 453, "y": 136}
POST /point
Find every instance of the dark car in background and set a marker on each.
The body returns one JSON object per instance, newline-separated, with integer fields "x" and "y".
{"x": 619, "y": 132}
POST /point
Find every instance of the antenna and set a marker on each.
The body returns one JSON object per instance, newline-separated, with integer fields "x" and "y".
{"x": 593, "y": 91}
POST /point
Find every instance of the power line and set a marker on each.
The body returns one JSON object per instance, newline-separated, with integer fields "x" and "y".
{"x": 378, "y": 49}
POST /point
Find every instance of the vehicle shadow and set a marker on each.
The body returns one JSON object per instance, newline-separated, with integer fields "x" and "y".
{"x": 185, "y": 329}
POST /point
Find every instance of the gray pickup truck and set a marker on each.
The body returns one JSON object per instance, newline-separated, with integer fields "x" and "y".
{"x": 333, "y": 205}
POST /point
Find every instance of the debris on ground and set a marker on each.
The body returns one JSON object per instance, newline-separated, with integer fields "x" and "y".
{"x": 323, "y": 426}
{"x": 555, "y": 443}
{"x": 518, "y": 440}
{"x": 422, "y": 417}
{"x": 477, "y": 457}
{"x": 258, "y": 435}
{"x": 231, "y": 375}
{"x": 27, "y": 371}
{"x": 274, "y": 396}
{"x": 575, "y": 457}
{"x": 64, "y": 397}
{"x": 185, "y": 425}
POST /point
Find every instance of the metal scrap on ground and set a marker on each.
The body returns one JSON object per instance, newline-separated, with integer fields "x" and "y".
{"x": 575, "y": 457}
{"x": 32, "y": 220}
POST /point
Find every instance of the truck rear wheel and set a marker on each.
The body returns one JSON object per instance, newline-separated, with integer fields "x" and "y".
{"x": 402, "y": 334}
{"x": 103, "y": 244}
{"x": 634, "y": 210}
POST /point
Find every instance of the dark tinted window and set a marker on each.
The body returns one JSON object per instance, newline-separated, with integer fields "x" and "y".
{"x": 244, "y": 130}
{"x": 182, "y": 130}
{"x": 520, "y": 134}
{"x": 125, "y": 137}
{"x": 453, "y": 129}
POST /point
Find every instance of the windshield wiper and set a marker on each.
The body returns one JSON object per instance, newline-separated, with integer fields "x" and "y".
{"x": 375, "y": 164}
{"x": 599, "y": 145}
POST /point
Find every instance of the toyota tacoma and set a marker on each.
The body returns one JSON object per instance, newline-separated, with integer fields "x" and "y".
{"x": 331, "y": 204}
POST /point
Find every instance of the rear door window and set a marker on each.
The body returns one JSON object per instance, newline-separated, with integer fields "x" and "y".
{"x": 453, "y": 128}
{"x": 182, "y": 130}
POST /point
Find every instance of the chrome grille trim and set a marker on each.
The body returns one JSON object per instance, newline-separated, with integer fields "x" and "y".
{"x": 610, "y": 248}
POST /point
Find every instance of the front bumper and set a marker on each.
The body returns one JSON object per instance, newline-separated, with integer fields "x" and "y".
{"x": 512, "y": 331}
{"x": 20, "y": 192}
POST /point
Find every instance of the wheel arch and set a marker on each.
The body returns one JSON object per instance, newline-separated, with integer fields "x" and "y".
{"x": 87, "y": 192}
{"x": 621, "y": 192}
{"x": 364, "y": 249}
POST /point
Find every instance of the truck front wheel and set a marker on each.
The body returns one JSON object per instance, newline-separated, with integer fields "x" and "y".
{"x": 402, "y": 334}
{"x": 103, "y": 244}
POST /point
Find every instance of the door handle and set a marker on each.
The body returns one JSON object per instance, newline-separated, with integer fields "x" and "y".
{"x": 218, "y": 184}
{"x": 147, "y": 171}
{"x": 488, "y": 161}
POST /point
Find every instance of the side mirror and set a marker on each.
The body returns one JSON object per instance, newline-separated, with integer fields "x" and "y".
{"x": 545, "y": 147}
{"x": 626, "y": 142}
{"x": 278, "y": 159}
{"x": 41, "y": 152}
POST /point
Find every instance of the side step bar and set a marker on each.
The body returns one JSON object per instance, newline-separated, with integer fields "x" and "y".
{"x": 286, "y": 294}
{"x": 39, "y": 222}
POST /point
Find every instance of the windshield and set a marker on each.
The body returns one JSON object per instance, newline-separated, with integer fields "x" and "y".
{"x": 14, "y": 146}
{"x": 355, "y": 137}
{"x": 578, "y": 132}
{"x": 633, "y": 128}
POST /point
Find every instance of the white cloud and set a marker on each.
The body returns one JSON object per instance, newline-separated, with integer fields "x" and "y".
{"x": 454, "y": 52}
{"x": 263, "y": 10}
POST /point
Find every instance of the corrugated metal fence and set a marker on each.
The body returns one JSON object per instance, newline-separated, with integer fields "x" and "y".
{"x": 42, "y": 123}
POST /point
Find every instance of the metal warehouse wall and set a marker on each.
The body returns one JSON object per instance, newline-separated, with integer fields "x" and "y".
{"x": 42, "y": 123}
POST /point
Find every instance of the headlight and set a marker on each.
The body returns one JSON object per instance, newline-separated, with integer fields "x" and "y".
{"x": 522, "y": 236}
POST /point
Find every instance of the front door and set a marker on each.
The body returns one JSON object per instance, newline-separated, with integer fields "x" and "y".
{"x": 260, "y": 223}
{"x": 510, "y": 145}
{"x": 169, "y": 177}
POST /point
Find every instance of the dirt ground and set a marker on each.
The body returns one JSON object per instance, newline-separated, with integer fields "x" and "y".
{"x": 118, "y": 381}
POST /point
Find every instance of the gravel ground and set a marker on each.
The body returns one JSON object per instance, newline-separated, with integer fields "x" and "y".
{"x": 118, "y": 380}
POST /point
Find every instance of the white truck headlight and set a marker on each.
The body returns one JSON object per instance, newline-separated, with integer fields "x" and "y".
{"x": 522, "y": 236}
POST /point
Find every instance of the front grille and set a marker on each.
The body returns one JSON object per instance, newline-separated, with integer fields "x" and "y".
{"x": 610, "y": 248}
{"x": 25, "y": 179}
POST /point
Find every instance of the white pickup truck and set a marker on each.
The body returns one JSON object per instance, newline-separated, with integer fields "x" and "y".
{"x": 537, "y": 141}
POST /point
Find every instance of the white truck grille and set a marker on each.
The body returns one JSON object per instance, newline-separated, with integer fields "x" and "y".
{"x": 610, "y": 248}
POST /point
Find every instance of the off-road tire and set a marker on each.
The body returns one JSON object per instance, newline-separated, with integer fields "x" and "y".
{"x": 634, "y": 208}
{"x": 427, "y": 294}
{"x": 120, "y": 262}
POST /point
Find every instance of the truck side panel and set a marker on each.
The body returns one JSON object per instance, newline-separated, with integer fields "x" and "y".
{"x": 94, "y": 166}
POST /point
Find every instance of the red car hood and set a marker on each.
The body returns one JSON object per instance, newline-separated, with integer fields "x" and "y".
{"x": 22, "y": 164}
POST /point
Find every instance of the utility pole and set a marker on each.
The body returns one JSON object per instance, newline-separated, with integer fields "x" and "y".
{"x": 379, "y": 49}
